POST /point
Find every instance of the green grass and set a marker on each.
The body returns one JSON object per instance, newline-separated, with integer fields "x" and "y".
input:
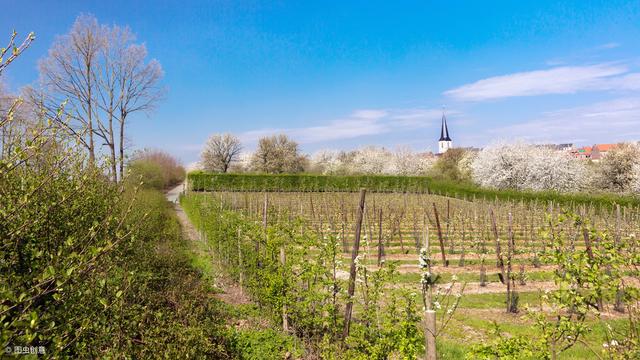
{"x": 451, "y": 350}
{"x": 470, "y": 327}
{"x": 492, "y": 276}
{"x": 495, "y": 301}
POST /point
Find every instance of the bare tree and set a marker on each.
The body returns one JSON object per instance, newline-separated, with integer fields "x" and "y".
{"x": 105, "y": 77}
{"x": 68, "y": 74}
{"x": 140, "y": 90}
{"x": 106, "y": 74}
{"x": 277, "y": 154}
{"x": 220, "y": 151}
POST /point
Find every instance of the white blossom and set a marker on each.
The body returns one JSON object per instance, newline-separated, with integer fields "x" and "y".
{"x": 426, "y": 276}
{"x": 371, "y": 160}
{"x": 423, "y": 259}
{"x": 523, "y": 166}
{"x": 635, "y": 182}
{"x": 619, "y": 170}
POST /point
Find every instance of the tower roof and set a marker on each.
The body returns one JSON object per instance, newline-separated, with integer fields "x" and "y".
{"x": 444, "y": 131}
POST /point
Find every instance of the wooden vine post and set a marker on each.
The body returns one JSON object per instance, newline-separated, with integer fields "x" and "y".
{"x": 512, "y": 297}
{"x": 430, "y": 321}
{"x": 283, "y": 261}
{"x": 240, "y": 266}
{"x": 265, "y": 210}
{"x": 619, "y": 303}
{"x": 380, "y": 240}
{"x": 429, "y": 313}
{"x": 500, "y": 261}
{"x": 440, "y": 239}
{"x": 352, "y": 273}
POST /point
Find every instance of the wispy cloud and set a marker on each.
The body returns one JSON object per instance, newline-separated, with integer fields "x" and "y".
{"x": 360, "y": 123}
{"x": 558, "y": 80}
{"x": 613, "y": 120}
{"x": 609, "y": 45}
{"x": 369, "y": 114}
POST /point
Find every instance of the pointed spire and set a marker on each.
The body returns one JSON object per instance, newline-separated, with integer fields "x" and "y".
{"x": 444, "y": 130}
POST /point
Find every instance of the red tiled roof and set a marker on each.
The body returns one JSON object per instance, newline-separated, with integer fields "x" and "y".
{"x": 605, "y": 147}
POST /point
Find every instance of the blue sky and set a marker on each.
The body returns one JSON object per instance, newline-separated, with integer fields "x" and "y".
{"x": 344, "y": 74}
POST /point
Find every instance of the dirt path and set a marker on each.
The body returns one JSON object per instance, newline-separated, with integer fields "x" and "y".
{"x": 230, "y": 292}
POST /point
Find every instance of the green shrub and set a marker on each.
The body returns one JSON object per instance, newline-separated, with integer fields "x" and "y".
{"x": 157, "y": 169}
{"x": 91, "y": 269}
{"x": 148, "y": 173}
{"x": 447, "y": 167}
{"x": 262, "y": 344}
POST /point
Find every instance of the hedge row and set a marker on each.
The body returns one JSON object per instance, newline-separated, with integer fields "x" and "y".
{"x": 203, "y": 181}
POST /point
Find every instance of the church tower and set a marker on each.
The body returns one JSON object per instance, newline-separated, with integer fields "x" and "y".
{"x": 444, "y": 143}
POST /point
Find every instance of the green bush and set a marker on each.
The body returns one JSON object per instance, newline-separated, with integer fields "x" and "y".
{"x": 91, "y": 269}
{"x": 148, "y": 173}
{"x": 156, "y": 169}
{"x": 447, "y": 167}
{"x": 261, "y": 344}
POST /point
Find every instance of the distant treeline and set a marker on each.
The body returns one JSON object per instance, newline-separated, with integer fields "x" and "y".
{"x": 203, "y": 181}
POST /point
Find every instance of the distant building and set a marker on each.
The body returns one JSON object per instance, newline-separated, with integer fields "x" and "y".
{"x": 471, "y": 149}
{"x": 445, "y": 142}
{"x": 594, "y": 153}
{"x": 599, "y": 151}
{"x": 559, "y": 147}
{"x": 565, "y": 147}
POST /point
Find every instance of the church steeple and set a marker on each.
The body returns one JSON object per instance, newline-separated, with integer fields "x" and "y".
{"x": 444, "y": 130}
{"x": 445, "y": 142}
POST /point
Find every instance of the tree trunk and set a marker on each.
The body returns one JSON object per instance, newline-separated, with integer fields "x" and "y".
{"x": 88, "y": 62}
{"x": 123, "y": 117}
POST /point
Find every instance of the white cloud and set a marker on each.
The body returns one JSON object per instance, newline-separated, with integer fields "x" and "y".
{"x": 613, "y": 120}
{"x": 360, "y": 123}
{"x": 558, "y": 80}
{"x": 610, "y": 45}
{"x": 369, "y": 114}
